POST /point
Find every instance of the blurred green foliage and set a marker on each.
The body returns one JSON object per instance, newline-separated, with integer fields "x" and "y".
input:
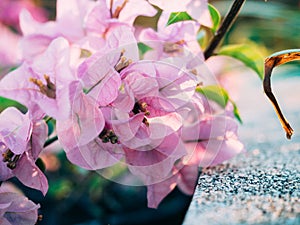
{"x": 273, "y": 24}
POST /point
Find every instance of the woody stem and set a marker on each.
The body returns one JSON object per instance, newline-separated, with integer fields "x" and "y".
{"x": 225, "y": 26}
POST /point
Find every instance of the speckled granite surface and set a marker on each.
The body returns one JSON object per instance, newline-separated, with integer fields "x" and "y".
{"x": 262, "y": 186}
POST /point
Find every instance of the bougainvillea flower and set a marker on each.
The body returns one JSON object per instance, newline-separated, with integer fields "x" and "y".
{"x": 197, "y": 9}
{"x": 69, "y": 24}
{"x": 100, "y": 72}
{"x": 82, "y": 134}
{"x": 83, "y": 70}
{"x": 45, "y": 82}
{"x": 166, "y": 89}
{"x": 83, "y": 23}
{"x": 178, "y": 39}
{"x": 150, "y": 131}
{"x": 99, "y": 152}
{"x": 69, "y": 16}
{"x": 15, "y": 208}
{"x": 10, "y": 10}
{"x": 21, "y": 142}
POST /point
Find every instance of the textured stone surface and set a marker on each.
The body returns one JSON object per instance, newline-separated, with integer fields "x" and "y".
{"x": 261, "y": 186}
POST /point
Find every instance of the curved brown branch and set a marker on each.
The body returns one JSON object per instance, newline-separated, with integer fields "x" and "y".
{"x": 272, "y": 61}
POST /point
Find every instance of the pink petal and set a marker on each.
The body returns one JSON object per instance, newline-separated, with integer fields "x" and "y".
{"x": 124, "y": 101}
{"x": 9, "y": 51}
{"x": 72, "y": 16}
{"x": 85, "y": 124}
{"x": 170, "y": 147}
{"x": 18, "y": 209}
{"x": 95, "y": 155}
{"x": 122, "y": 38}
{"x": 33, "y": 45}
{"x": 30, "y": 175}
{"x": 55, "y": 61}
{"x": 38, "y": 138}
{"x": 198, "y": 9}
{"x": 107, "y": 90}
{"x": 127, "y": 129}
{"x": 159, "y": 106}
{"x": 187, "y": 179}
{"x": 97, "y": 19}
{"x": 135, "y": 8}
{"x": 30, "y": 26}
{"x": 218, "y": 151}
{"x": 163, "y": 126}
{"x": 143, "y": 67}
{"x": 215, "y": 150}
{"x": 140, "y": 85}
{"x": 4, "y": 221}
{"x": 5, "y": 172}
{"x": 15, "y": 129}
{"x": 155, "y": 165}
{"x": 100, "y": 78}
{"x": 158, "y": 191}
{"x": 15, "y": 85}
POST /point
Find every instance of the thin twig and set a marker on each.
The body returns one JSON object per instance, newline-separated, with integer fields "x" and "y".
{"x": 225, "y": 26}
{"x": 50, "y": 141}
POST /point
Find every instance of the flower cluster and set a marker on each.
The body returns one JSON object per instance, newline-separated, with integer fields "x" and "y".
{"x": 9, "y": 19}
{"x": 15, "y": 208}
{"x": 111, "y": 103}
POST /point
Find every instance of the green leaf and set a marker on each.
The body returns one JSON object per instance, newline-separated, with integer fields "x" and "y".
{"x": 59, "y": 189}
{"x": 248, "y": 54}
{"x": 51, "y": 126}
{"x": 204, "y": 35}
{"x": 5, "y": 103}
{"x": 143, "y": 48}
{"x": 215, "y": 93}
{"x": 215, "y": 16}
{"x": 236, "y": 112}
{"x": 177, "y": 17}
